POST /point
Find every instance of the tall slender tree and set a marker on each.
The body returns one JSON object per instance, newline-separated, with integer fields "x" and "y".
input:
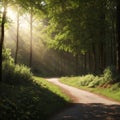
{"x": 118, "y": 34}
{"x": 17, "y": 42}
{"x": 32, "y": 7}
{"x": 31, "y": 36}
{"x": 4, "y": 4}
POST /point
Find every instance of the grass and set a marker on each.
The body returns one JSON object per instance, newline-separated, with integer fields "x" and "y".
{"x": 53, "y": 88}
{"x": 111, "y": 91}
{"x": 37, "y": 100}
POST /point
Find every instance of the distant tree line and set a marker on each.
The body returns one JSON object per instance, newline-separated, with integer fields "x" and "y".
{"x": 89, "y": 29}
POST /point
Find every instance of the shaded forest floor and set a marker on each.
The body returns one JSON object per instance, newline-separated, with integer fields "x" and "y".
{"x": 37, "y": 100}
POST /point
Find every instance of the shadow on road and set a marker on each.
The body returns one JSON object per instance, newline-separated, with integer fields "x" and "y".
{"x": 92, "y": 111}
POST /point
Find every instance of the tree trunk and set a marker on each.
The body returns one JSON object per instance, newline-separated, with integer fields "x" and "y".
{"x": 102, "y": 43}
{"x": 85, "y": 64}
{"x": 76, "y": 64}
{"x": 17, "y": 42}
{"x": 94, "y": 58}
{"x": 101, "y": 57}
{"x": 2, "y": 38}
{"x": 31, "y": 36}
{"x": 118, "y": 35}
{"x": 113, "y": 40}
{"x": 89, "y": 61}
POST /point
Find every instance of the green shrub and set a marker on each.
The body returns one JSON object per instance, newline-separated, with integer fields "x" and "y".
{"x": 97, "y": 80}
{"x": 22, "y": 73}
{"x": 86, "y": 80}
{"x": 14, "y": 74}
{"x": 111, "y": 74}
{"x": 107, "y": 74}
{"x": 6, "y": 56}
{"x": 94, "y": 81}
{"x": 8, "y": 71}
{"x": 115, "y": 87}
{"x": 106, "y": 78}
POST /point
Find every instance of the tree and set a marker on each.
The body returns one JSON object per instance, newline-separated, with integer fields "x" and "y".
{"x": 17, "y": 42}
{"x": 33, "y": 7}
{"x": 3, "y": 20}
{"x": 80, "y": 28}
{"x": 118, "y": 34}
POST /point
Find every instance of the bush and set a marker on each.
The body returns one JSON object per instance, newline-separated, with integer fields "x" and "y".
{"x": 108, "y": 77}
{"x": 107, "y": 74}
{"x": 97, "y": 81}
{"x": 111, "y": 74}
{"x": 86, "y": 80}
{"x": 115, "y": 87}
{"x": 22, "y": 73}
{"x": 8, "y": 71}
{"x": 14, "y": 74}
{"x": 6, "y": 56}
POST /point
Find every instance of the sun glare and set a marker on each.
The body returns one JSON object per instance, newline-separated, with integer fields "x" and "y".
{"x": 11, "y": 14}
{"x": 2, "y": 9}
{"x": 23, "y": 19}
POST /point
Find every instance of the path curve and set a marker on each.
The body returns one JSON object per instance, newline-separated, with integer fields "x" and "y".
{"x": 87, "y": 106}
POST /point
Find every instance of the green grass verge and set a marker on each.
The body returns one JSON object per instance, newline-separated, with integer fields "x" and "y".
{"x": 37, "y": 100}
{"x": 112, "y": 92}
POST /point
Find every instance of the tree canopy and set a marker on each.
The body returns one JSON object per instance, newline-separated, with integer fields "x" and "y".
{"x": 86, "y": 29}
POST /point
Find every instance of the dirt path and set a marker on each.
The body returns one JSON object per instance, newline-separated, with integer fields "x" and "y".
{"x": 87, "y": 106}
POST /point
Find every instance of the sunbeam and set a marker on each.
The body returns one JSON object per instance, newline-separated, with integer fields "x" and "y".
{"x": 11, "y": 14}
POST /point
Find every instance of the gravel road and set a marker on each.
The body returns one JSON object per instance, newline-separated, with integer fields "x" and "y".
{"x": 86, "y": 105}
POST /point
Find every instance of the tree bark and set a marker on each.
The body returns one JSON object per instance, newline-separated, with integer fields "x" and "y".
{"x": 89, "y": 61}
{"x": 31, "y": 37}
{"x": 94, "y": 58}
{"x": 113, "y": 40}
{"x": 2, "y": 37}
{"x": 85, "y": 64}
{"x": 102, "y": 44}
{"x": 118, "y": 35}
{"x": 77, "y": 64}
{"x": 102, "y": 57}
{"x": 17, "y": 42}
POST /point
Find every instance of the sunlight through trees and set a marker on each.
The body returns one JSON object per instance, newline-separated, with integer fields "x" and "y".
{"x": 66, "y": 27}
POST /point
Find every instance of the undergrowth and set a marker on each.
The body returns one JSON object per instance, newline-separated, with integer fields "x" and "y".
{"x": 24, "y": 97}
{"x": 107, "y": 84}
{"x": 37, "y": 100}
{"x": 14, "y": 73}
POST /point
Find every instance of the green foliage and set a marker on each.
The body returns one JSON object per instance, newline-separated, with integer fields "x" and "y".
{"x": 90, "y": 80}
{"x": 115, "y": 87}
{"x": 86, "y": 80}
{"x": 36, "y": 100}
{"x": 14, "y": 74}
{"x": 23, "y": 98}
{"x": 99, "y": 84}
{"x": 72, "y": 25}
{"x": 96, "y": 82}
{"x": 22, "y": 73}
{"x": 102, "y": 80}
{"x": 107, "y": 74}
{"x": 114, "y": 74}
{"x": 6, "y": 56}
{"x": 8, "y": 71}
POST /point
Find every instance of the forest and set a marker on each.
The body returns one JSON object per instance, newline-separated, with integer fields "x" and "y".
{"x": 56, "y": 38}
